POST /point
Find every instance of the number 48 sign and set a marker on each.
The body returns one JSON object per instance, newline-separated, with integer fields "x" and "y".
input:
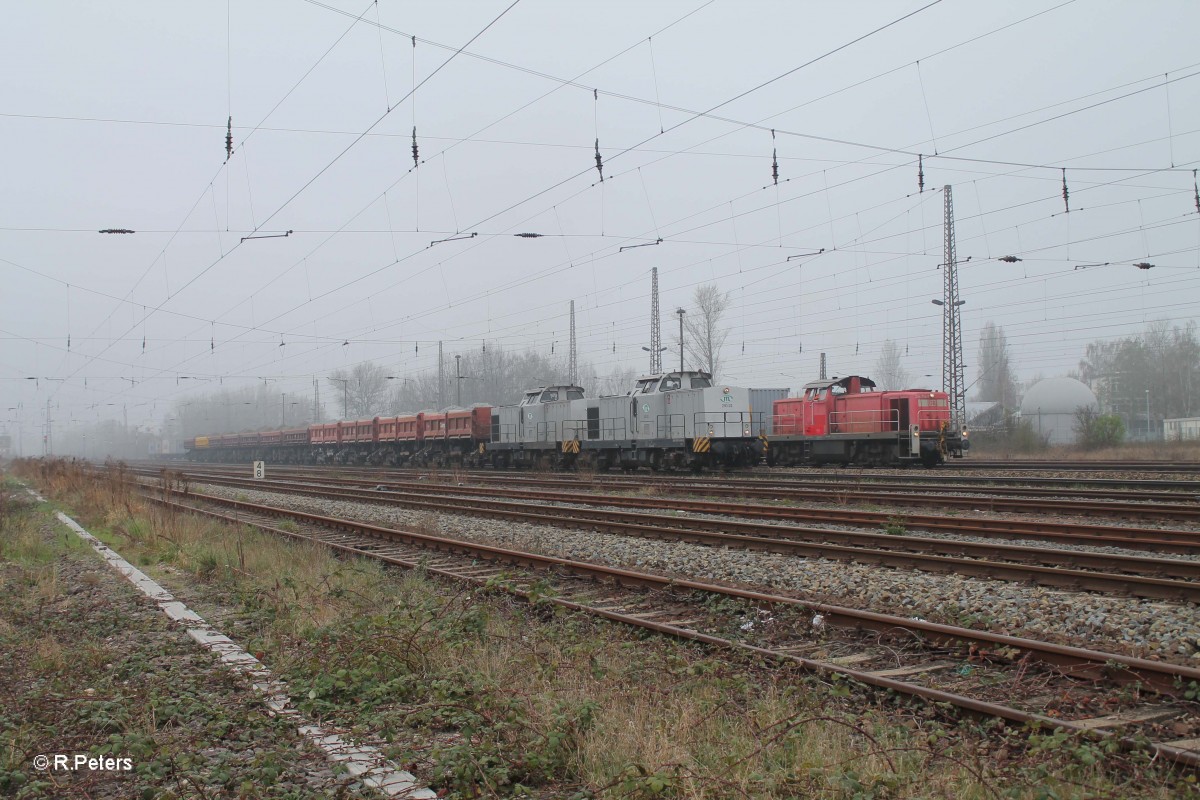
{"x": 260, "y": 470}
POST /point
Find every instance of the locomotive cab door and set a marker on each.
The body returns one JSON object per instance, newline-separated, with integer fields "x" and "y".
{"x": 818, "y": 408}
{"x": 899, "y": 417}
{"x": 593, "y": 421}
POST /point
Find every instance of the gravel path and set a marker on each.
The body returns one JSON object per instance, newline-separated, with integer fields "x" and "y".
{"x": 1158, "y": 629}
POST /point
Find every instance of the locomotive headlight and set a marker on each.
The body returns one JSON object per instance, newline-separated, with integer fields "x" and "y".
{"x": 745, "y": 431}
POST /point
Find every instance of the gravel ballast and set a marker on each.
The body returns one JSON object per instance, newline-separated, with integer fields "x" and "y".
{"x": 1166, "y": 630}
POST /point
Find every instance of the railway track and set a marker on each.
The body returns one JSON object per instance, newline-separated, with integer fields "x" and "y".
{"x": 1145, "y": 505}
{"x": 1095, "y": 488}
{"x": 1145, "y": 539}
{"x": 1140, "y": 576}
{"x": 815, "y": 475}
{"x": 997, "y": 499}
{"x": 1081, "y": 465}
{"x": 976, "y": 671}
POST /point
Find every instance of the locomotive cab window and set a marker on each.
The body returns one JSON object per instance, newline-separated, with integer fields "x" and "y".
{"x": 550, "y": 396}
{"x": 669, "y": 384}
{"x": 645, "y": 386}
{"x": 700, "y": 382}
{"x": 574, "y": 394}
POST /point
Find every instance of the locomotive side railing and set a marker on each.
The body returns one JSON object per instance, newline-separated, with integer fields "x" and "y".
{"x": 726, "y": 424}
{"x": 574, "y": 429}
{"x": 793, "y": 424}
{"x": 671, "y": 426}
{"x": 547, "y": 432}
{"x": 867, "y": 421}
{"x": 932, "y": 419}
{"x": 613, "y": 429}
{"x": 797, "y": 424}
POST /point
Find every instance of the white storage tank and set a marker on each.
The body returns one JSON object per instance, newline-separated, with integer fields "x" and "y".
{"x": 1051, "y": 406}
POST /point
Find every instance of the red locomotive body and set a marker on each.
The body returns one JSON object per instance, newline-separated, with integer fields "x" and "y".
{"x": 846, "y": 420}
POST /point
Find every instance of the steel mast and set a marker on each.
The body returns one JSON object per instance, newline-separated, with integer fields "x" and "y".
{"x": 953, "y": 379}
{"x": 655, "y": 326}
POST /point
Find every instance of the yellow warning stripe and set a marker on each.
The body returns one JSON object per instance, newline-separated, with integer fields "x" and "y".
{"x": 570, "y": 446}
{"x": 701, "y": 445}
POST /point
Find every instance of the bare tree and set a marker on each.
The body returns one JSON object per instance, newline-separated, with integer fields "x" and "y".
{"x": 491, "y": 375}
{"x": 249, "y": 408}
{"x": 1164, "y": 360}
{"x": 362, "y": 389}
{"x": 996, "y": 380}
{"x": 617, "y": 381}
{"x": 703, "y": 335}
{"x": 889, "y": 372}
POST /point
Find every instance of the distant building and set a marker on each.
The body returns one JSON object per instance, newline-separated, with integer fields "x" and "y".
{"x": 983, "y": 414}
{"x": 1050, "y": 406}
{"x": 1181, "y": 430}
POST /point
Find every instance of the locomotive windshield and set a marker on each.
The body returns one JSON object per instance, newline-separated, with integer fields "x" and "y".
{"x": 701, "y": 382}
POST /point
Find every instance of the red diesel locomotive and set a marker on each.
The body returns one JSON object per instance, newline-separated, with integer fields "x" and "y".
{"x": 845, "y": 420}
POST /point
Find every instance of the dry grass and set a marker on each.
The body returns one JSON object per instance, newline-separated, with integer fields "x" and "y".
{"x": 1132, "y": 451}
{"x": 1145, "y": 451}
{"x": 428, "y": 524}
{"x": 48, "y": 656}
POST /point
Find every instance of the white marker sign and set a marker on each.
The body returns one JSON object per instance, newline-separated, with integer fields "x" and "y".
{"x": 260, "y": 470}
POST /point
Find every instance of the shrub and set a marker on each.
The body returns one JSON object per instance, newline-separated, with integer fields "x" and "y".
{"x": 1097, "y": 430}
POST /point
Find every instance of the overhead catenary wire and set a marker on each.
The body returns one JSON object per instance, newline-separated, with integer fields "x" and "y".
{"x": 342, "y": 152}
{"x": 777, "y": 206}
{"x": 508, "y": 115}
{"x": 200, "y": 197}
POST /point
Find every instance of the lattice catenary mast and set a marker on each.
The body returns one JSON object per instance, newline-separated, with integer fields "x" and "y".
{"x": 573, "y": 361}
{"x": 655, "y": 326}
{"x": 441, "y": 379}
{"x": 953, "y": 380}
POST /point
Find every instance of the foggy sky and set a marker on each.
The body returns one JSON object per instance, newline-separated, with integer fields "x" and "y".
{"x": 114, "y": 116}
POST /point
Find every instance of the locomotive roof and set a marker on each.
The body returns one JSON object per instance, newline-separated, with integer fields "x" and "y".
{"x": 554, "y": 386}
{"x": 843, "y": 382}
{"x": 658, "y": 375}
